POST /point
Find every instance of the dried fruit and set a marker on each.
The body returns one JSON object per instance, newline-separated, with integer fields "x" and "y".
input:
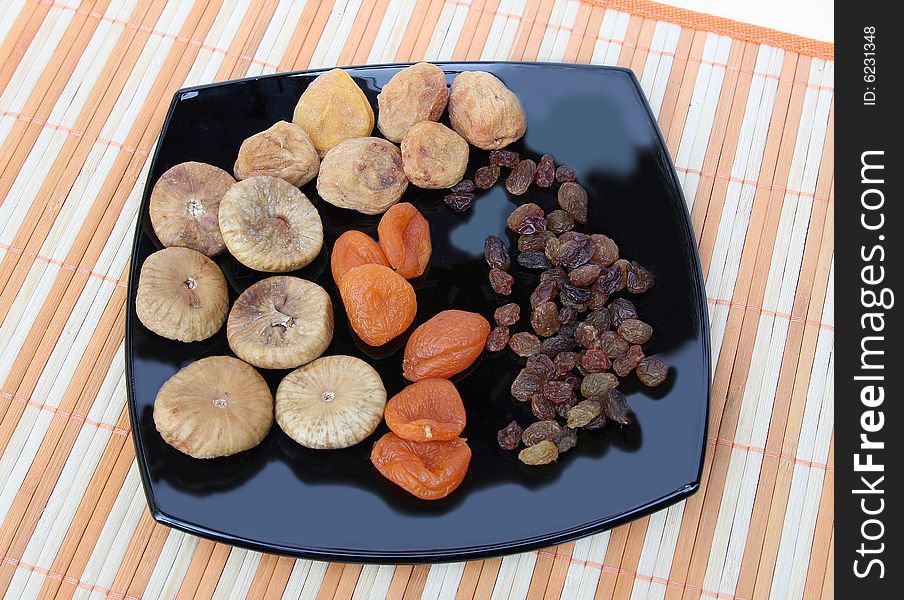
{"x": 627, "y": 361}
{"x": 415, "y": 94}
{"x": 558, "y": 343}
{"x": 501, "y": 282}
{"x": 598, "y": 422}
{"x": 519, "y": 180}
{"x": 584, "y": 275}
{"x": 542, "y": 453}
{"x": 564, "y": 174}
{"x": 559, "y": 221}
{"x": 332, "y": 109}
{"x": 504, "y": 158}
{"x": 556, "y": 391}
{"x": 600, "y": 319}
{"x": 598, "y": 297}
{"x": 597, "y": 384}
{"x": 541, "y": 365}
{"x": 269, "y": 225}
{"x": 573, "y": 200}
{"x": 445, "y": 345}
{"x": 541, "y": 430}
{"x": 568, "y": 440}
{"x": 216, "y": 406}
{"x": 612, "y": 344}
{"x": 434, "y": 156}
{"x": 525, "y": 385}
{"x": 507, "y": 314}
{"x": 621, "y": 309}
{"x": 575, "y": 250}
{"x": 562, "y": 409}
{"x": 568, "y": 314}
{"x": 495, "y": 253}
{"x": 582, "y": 413}
{"x": 184, "y": 206}
{"x": 484, "y": 111}
{"x": 546, "y": 171}
{"x": 610, "y": 279}
{"x": 533, "y": 260}
{"x": 615, "y": 406}
{"x": 332, "y": 402}
{"x": 430, "y": 409}
{"x": 464, "y": 186}
{"x": 639, "y": 279}
{"x": 405, "y": 239}
{"x": 534, "y": 242}
{"x": 565, "y": 363}
{"x": 651, "y": 371}
{"x": 497, "y": 339}
{"x": 605, "y": 249}
{"x": 595, "y": 361}
{"x": 555, "y": 274}
{"x": 459, "y": 202}
{"x": 509, "y": 437}
{"x": 545, "y": 292}
{"x": 280, "y": 323}
{"x": 635, "y": 331}
{"x": 428, "y": 470}
{"x": 486, "y": 177}
{"x": 181, "y": 295}
{"x": 524, "y": 344}
{"x": 545, "y": 319}
{"x": 365, "y": 174}
{"x": 542, "y": 407}
{"x": 284, "y": 150}
{"x": 379, "y": 302}
{"x": 353, "y": 249}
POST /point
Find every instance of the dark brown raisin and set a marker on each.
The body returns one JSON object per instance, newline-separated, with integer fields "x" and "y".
{"x": 573, "y": 293}
{"x": 542, "y": 365}
{"x": 595, "y": 361}
{"x": 587, "y": 336}
{"x": 573, "y": 250}
{"x": 598, "y": 297}
{"x": 573, "y": 200}
{"x": 598, "y": 422}
{"x": 525, "y": 344}
{"x": 545, "y": 292}
{"x": 559, "y": 221}
{"x": 611, "y": 279}
{"x": 621, "y": 309}
{"x": 600, "y": 319}
{"x": 566, "y": 362}
{"x": 568, "y": 440}
{"x": 568, "y": 331}
{"x": 605, "y": 249}
{"x": 527, "y": 218}
{"x": 597, "y": 384}
{"x": 507, "y": 314}
{"x": 501, "y": 282}
{"x": 635, "y": 331}
{"x": 542, "y": 407}
{"x": 495, "y": 253}
{"x": 582, "y": 413}
{"x": 526, "y": 384}
{"x": 584, "y": 275}
{"x": 651, "y": 371}
{"x": 627, "y": 361}
{"x": 555, "y": 391}
{"x": 625, "y": 266}
{"x": 519, "y": 180}
{"x": 541, "y": 454}
{"x": 555, "y": 274}
{"x": 486, "y": 177}
{"x": 545, "y": 319}
{"x": 534, "y": 242}
{"x": 504, "y": 158}
{"x": 564, "y": 174}
{"x": 533, "y": 260}
{"x": 639, "y": 279}
{"x": 562, "y": 409}
{"x": 459, "y": 202}
{"x": 541, "y": 430}
{"x": 546, "y": 171}
{"x": 615, "y": 406}
{"x": 612, "y": 344}
{"x": 568, "y": 314}
{"x": 509, "y": 437}
{"x": 465, "y": 185}
{"x": 558, "y": 343}
{"x": 498, "y": 339}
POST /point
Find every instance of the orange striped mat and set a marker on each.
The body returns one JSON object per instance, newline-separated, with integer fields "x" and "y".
{"x": 748, "y": 115}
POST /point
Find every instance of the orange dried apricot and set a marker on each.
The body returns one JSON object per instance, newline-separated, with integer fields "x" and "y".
{"x": 405, "y": 239}
{"x": 429, "y": 410}
{"x": 353, "y": 249}
{"x": 379, "y": 302}
{"x": 445, "y": 345}
{"x": 429, "y": 470}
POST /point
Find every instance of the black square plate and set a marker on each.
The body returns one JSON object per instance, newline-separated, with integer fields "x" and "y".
{"x": 282, "y": 498}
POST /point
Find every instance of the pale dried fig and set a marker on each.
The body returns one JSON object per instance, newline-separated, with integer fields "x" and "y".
{"x": 414, "y": 94}
{"x": 181, "y": 295}
{"x": 269, "y": 225}
{"x": 280, "y": 322}
{"x": 434, "y": 156}
{"x": 332, "y": 109}
{"x": 363, "y": 174}
{"x": 484, "y": 111}
{"x": 184, "y": 205}
{"x": 284, "y": 150}
{"x": 216, "y": 406}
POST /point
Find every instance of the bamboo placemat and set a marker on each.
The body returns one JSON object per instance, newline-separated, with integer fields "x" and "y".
{"x": 748, "y": 117}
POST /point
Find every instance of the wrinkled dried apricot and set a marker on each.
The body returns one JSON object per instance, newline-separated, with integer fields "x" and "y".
{"x": 445, "y": 345}
{"x": 428, "y": 470}
{"x": 405, "y": 239}
{"x": 379, "y": 302}
{"x": 429, "y": 410}
{"x": 353, "y": 249}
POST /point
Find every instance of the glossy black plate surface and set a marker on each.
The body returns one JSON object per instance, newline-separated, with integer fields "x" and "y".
{"x": 280, "y": 497}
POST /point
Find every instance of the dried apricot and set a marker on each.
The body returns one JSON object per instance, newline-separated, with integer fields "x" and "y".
{"x": 379, "y": 302}
{"x": 405, "y": 239}
{"x": 428, "y": 470}
{"x": 353, "y": 249}
{"x": 445, "y": 345}
{"x": 429, "y": 410}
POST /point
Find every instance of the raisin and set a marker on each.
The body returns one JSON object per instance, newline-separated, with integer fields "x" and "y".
{"x": 535, "y": 242}
{"x": 545, "y": 319}
{"x": 542, "y": 408}
{"x": 525, "y": 385}
{"x": 582, "y": 413}
{"x": 565, "y": 362}
{"x": 519, "y": 180}
{"x": 587, "y": 336}
{"x": 598, "y": 297}
{"x": 625, "y": 266}
{"x": 527, "y": 218}
{"x": 533, "y": 260}
{"x": 598, "y": 422}
{"x": 615, "y": 406}
{"x": 542, "y": 365}
{"x": 651, "y": 371}
{"x": 507, "y": 314}
{"x": 568, "y": 440}
{"x": 612, "y": 344}
{"x": 595, "y": 361}
{"x": 559, "y": 221}
{"x": 525, "y": 344}
{"x": 568, "y": 331}
{"x": 459, "y": 202}
{"x": 501, "y": 282}
{"x": 558, "y": 343}
{"x": 498, "y": 339}
{"x": 572, "y": 293}
{"x": 546, "y": 171}
{"x": 486, "y": 177}
{"x": 564, "y": 174}
{"x": 572, "y": 251}
{"x": 465, "y": 185}
{"x": 509, "y": 437}
{"x": 541, "y": 430}
{"x": 585, "y": 275}
{"x": 568, "y": 314}
{"x": 597, "y": 384}
{"x": 573, "y": 200}
{"x": 606, "y": 250}
{"x": 627, "y": 361}
{"x": 555, "y": 274}
{"x": 610, "y": 279}
{"x": 545, "y": 292}
{"x": 495, "y": 253}
{"x": 634, "y": 331}
{"x": 540, "y": 454}
{"x": 621, "y": 309}
{"x": 639, "y": 279}
{"x": 555, "y": 391}
{"x": 504, "y": 158}
{"x": 600, "y": 319}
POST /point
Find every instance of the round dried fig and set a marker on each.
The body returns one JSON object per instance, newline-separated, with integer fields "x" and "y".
{"x": 363, "y": 174}
{"x": 283, "y": 151}
{"x": 484, "y": 111}
{"x": 332, "y": 109}
{"x": 434, "y": 156}
{"x": 414, "y": 94}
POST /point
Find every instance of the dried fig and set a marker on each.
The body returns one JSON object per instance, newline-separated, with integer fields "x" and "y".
{"x": 283, "y": 151}
{"x": 434, "y": 156}
{"x": 364, "y": 174}
{"x": 332, "y": 109}
{"x": 415, "y": 94}
{"x": 484, "y": 111}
